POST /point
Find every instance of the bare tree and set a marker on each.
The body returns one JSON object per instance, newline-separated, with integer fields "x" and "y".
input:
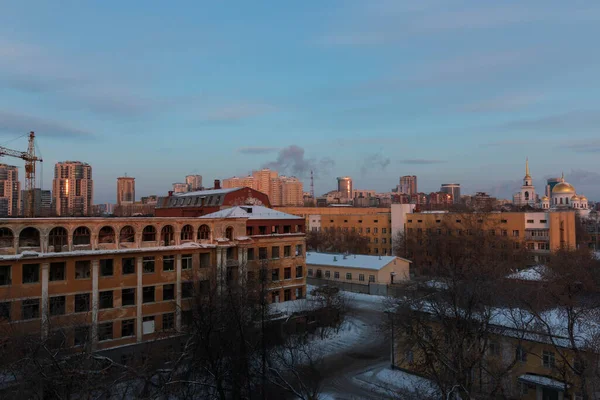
{"x": 337, "y": 241}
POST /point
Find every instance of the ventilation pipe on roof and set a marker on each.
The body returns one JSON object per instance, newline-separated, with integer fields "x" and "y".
{"x": 217, "y": 184}
{"x": 334, "y": 258}
{"x": 170, "y": 193}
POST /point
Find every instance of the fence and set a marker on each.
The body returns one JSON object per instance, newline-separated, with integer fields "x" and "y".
{"x": 376, "y": 289}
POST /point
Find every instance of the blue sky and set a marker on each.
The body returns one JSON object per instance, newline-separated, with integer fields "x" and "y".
{"x": 458, "y": 91}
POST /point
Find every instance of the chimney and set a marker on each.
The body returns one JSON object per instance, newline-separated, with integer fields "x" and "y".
{"x": 217, "y": 184}
{"x": 334, "y": 258}
{"x": 170, "y": 193}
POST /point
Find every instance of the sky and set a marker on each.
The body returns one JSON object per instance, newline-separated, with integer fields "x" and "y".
{"x": 450, "y": 91}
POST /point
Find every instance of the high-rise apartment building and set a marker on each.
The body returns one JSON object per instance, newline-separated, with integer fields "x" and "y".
{"x": 345, "y": 187}
{"x": 453, "y": 189}
{"x": 263, "y": 180}
{"x": 408, "y": 185}
{"x": 73, "y": 188}
{"x": 10, "y": 191}
{"x": 194, "y": 182}
{"x": 292, "y": 191}
{"x": 282, "y": 190}
{"x": 42, "y": 202}
{"x": 125, "y": 190}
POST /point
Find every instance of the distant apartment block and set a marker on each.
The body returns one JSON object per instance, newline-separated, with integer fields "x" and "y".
{"x": 10, "y": 191}
{"x": 73, "y": 189}
{"x": 282, "y": 190}
{"x": 125, "y": 190}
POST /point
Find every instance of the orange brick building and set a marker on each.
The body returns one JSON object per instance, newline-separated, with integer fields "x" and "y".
{"x": 118, "y": 281}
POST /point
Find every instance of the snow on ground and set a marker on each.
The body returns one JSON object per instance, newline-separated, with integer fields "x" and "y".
{"x": 391, "y": 381}
{"x": 357, "y": 300}
{"x": 351, "y": 332}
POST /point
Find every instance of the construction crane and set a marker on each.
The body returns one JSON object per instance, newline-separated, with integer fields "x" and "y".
{"x": 30, "y": 160}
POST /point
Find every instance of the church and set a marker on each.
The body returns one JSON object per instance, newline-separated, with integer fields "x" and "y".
{"x": 559, "y": 195}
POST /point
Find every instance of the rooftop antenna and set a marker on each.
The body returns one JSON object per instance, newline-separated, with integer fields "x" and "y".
{"x": 312, "y": 185}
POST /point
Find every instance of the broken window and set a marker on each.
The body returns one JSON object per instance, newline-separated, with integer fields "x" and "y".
{"x": 187, "y": 233}
{"x": 82, "y": 302}
{"x": 30, "y": 308}
{"x": 29, "y": 237}
{"x": 204, "y": 232}
{"x": 149, "y": 234}
{"x": 31, "y": 273}
{"x": 57, "y": 238}
{"x": 128, "y": 297}
{"x": 229, "y": 233}
{"x": 57, "y": 271}
{"x": 6, "y": 238}
{"x": 127, "y": 234}
{"x": 106, "y": 235}
{"x": 81, "y": 236}
{"x": 166, "y": 235}
{"x": 82, "y": 269}
{"x": 57, "y": 305}
{"x": 106, "y": 267}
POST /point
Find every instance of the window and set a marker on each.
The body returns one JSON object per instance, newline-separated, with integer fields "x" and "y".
{"x": 106, "y": 299}
{"x": 515, "y": 233}
{"x": 530, "y": 221}
{"x": 504, "y": 232}
{"x": 494, "y": 348}
{"x": 81, "y": 334}
{"x": 57, "y": 271}
{"x": 148, "y": 294}
{"x": 548, "y": 359}
{"x": 168, "y": 292}
{"x": 299, "y": 251}
{"x": 275, "y": 274}
{"x": 287, "y": 295}
{"x": 287, "y": 251}
{"x": 503, "y": 221}
{"x": 149, "y": 234}
{"x": 383, "y": 230}
{"x": 128, "y": 266}
{"x": 187, "y": 289}
{"x": 543, "y": 221}
{"x": 521, "y": 354}
{"x": 319, "y": 274}
{"x": 287, "y": 273}
{"x": 262, "y": 253}
{"x": 168, "y": 321}
{"x": 371, "y": 278}
{"x": 82, "y": 269}
{"x": 186, "y": 261}
{"x": 204, "y": 260}
{"x": 383, "y": 241}
{"x": 336, "y": 275}
{"x": 299, "y": 271}
{"x": 523, "y": 388}
{"x": 327, "y": 274}
{"x": 30, "y": 309}
{"x": 5, "y": 311}
{"x": 57, "y": 305}
{"x": 169, "y": 263}
{"x": 275, "y": 252}
{"x": 128, "y": 297}
{"x": 298, "y": 293}
{"x": 82, "y": 302}
{"x": 106, "y": 267}
{"x": 310, "y": 272}
{"x": 31, "y": 273}
{"x": 127, "y": 327}
{"x": 368, "y": 230}
{"x": 361, "y": 277}
{"x": 250, "y": 254}
{"x": 349, "y": 276}
{"x": 148, "y": 264}
{"x": 105, "y": 331}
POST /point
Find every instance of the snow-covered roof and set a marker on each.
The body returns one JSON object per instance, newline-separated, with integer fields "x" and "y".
{"x": 251, "y": 212}
{"x": 543, "y": 381}
{"x": 349, "y": 261}
{"x": 537, "y": 273}
{"x": 32, "y": 255}
{"x": 210, "y": 192}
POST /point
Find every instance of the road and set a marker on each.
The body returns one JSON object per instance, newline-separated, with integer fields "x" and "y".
{"x": 372, "y": 349}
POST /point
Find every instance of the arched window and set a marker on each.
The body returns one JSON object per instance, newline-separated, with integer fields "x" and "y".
{"x": 204, "y": 232}
{"x": 127, "y": 234}
{"x": 166, "y": 235}
{"x": 29, "y": 237}
{"x": 57, "y": 238}
{"x": 187, "y": 233}
{"x": 526, "y": 195}
{"x": 149, "y": 234}
{"x": 6, "y": 238}
{"x": 229, "y": 233}
{"x": 106, "y": 235}
{"x": 81, "y": 236}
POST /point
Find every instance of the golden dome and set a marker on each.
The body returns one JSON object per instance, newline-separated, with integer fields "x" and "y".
{"x": 574, "y": 197}
{"x": 545, "y": 198}
{"x": 563, "y": 187}
{"x": 583, "y": 198}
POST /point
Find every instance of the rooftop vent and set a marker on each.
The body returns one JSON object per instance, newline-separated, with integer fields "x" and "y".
{"x": 334, "y": 258}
